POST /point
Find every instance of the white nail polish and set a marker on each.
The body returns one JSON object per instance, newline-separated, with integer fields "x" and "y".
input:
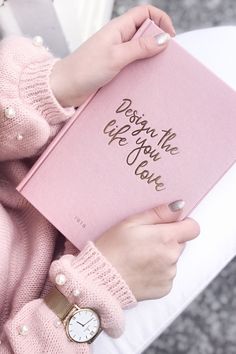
{"x": 162, "y": 38}
{"x": 177, "y": 205}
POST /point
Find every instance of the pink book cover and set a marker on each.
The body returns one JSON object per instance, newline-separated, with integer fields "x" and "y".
{"x": 162, "y": 130}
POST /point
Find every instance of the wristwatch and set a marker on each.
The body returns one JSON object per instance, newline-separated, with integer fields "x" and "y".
{"x": 82, "y": 325}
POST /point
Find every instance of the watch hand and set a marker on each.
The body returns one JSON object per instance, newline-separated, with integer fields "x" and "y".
{"x": 80, "y": 323}
{"x": 88, "y": 321}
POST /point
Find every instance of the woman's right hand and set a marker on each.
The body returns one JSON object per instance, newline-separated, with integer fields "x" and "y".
{"x": 99, "y": 59}
{"x": 145, "y": 248}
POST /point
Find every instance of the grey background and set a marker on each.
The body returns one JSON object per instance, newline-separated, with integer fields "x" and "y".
{"x": 208, "y": 326}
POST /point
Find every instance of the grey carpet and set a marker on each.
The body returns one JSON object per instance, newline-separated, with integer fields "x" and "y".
{"x": 208, "y": 326}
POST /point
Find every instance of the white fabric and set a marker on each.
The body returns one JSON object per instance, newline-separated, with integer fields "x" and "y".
{"x": 206, "y": 256}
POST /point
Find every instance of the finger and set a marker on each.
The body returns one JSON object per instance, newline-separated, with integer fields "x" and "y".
{"x": 182, "y": 247}
{"x": 180, "y": 250}
{"x": 129, "y": 22}
{"x": 164, "y": 213}
{"x": 143, "y": 47}
{"x": 189, "y": 230}
{"x": 182, "y": 231}
{"x": 174, "y": 252}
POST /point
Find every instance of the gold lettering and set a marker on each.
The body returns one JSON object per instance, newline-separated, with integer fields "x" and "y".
{"x": 114, "y": 134}
{"x": 145, "y": 174}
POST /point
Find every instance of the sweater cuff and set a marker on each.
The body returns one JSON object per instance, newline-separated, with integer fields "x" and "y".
{"x": 89, "y": 280}
{"x": 91, "y": 262}
{"x": 35, "y": 90}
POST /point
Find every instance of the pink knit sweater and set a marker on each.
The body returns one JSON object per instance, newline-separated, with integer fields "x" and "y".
{"x": 33, "y": 252}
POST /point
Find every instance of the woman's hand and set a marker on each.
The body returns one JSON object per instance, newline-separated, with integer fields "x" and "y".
{"x": 145, "y": 248}
{"x": 102, "y": 56}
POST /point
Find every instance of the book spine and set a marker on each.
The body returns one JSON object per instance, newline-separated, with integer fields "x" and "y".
{"x": 69, "y": 124}
{"x": 53, "y": 144}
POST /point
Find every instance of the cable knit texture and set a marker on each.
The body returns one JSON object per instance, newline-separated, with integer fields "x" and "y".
{"x": 33, "y": 252}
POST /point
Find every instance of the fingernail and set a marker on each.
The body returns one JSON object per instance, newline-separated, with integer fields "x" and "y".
{"x": 173, "y": 32}
{"x": 162, "y": 38}
{"x": 177, "y": 205}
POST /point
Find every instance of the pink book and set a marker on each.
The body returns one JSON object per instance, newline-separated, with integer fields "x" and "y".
{"x": 163, "y": 129}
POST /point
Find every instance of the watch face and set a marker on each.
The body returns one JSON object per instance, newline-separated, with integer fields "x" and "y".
{"x": 83, "y": 325}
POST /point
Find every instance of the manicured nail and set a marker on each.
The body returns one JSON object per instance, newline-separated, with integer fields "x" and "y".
{"x": 162, "y": 38}
{"x": 177, "y": 205}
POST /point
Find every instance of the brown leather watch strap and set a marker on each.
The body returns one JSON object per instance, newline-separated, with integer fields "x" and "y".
{"x": 58, "y": 303}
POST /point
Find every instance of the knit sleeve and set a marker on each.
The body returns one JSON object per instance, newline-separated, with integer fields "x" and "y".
{"x": 87, "y": 280}
{"x": 30, "y": 115}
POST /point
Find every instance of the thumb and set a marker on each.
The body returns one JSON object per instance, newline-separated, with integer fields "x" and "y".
{"x": 143, "y": 47}
{"x": 164, "y": 213}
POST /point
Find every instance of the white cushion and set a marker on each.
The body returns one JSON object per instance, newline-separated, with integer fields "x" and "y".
{"x": 206, "y": 256}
